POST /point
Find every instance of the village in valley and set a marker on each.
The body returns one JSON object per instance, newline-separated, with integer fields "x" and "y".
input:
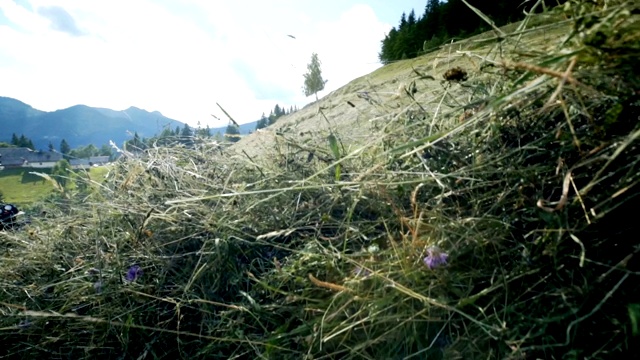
{"x": 34, "y": 171}
{"x": 23, "y": 157}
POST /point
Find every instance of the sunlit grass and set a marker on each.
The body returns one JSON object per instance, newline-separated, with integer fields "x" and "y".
{"x": 22, "y": 188}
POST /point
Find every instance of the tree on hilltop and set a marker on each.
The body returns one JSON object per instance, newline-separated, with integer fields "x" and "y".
{"x": 313, "y": 81}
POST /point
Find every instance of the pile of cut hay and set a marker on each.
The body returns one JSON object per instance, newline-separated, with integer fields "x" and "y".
{"x": 491, "y": 219}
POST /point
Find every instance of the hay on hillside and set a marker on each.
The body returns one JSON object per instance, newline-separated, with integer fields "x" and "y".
{"x": 488, "y": 219}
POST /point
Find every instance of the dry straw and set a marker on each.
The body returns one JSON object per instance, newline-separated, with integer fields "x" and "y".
{"x": 484, "y": 219}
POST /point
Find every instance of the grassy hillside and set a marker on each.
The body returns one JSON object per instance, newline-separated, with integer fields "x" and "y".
{"x": 365, "y": 105}
{"x": 411, "y": 214}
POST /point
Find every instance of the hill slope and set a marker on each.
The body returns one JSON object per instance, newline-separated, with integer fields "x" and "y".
{"x": 360, "y": 109}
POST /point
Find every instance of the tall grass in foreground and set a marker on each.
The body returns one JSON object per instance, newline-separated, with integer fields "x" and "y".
{"x": 485, "y": 220}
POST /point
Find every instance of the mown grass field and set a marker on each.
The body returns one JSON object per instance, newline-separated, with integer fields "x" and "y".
{"x": 22, "y": 188}
{"x": 385, "y": 88}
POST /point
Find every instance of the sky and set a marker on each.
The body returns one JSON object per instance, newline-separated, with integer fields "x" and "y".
{"x": 182, "y": 57}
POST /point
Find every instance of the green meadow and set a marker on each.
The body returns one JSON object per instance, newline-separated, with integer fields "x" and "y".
{"x": 23, "y": 188}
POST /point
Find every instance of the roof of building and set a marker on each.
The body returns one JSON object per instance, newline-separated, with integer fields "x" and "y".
{"x": 17, "y": 156}
{"x": 99, "y": 159}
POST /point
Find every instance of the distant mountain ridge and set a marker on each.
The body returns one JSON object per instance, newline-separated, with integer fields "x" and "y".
{"x": 81, "y": 125}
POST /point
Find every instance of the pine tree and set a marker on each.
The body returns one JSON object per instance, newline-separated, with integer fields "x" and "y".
{"x": 64, "y": 147}
{"x": 411, "y": 20}
{"x": 167, "y": 132}
{"x": 14, "y": 140}
{"x": 51, "y": 148}
{"x": 135, "y": 144}
{"x": 414, "y": 40}
{"x": 186, "y": 131}
{"x": 313, "y": 82}
{"x": 262, "y": 123}
{"x": 22, "y": 142}
{"x": 430, "y": 26}
{"x": 272, "y": 118}
{"x": 232, "y": 133}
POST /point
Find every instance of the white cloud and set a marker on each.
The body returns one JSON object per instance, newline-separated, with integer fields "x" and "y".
{"x": 180, "y": 60}
{"x": 60, "y": 20}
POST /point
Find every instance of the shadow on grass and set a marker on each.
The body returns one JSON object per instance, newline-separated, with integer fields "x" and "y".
{"x": 27, "y": 178}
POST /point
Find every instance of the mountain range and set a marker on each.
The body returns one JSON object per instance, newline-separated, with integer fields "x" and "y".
{"x": 81, "y": 125}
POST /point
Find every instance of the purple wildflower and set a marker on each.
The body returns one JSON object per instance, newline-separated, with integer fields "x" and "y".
{"x": 435, "y": 258}
{"x": 358, "y": 271}
{"x": 133, "y": 273}
{"x": 25, "y": 324}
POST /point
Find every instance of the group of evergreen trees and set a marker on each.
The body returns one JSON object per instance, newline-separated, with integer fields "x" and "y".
{"x": 21, "y": 141}
{"x": 186, "y": 131}
{"x": 82, "y": 152}
{"x": 232, "y": 133}
{"x": 180, "y": 135}
{"x": 275, "y": 114}
{"x": 443, "y": 21}
{"x": 85, "y": 152}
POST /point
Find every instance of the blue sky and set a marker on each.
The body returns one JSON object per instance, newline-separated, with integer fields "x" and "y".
{"x": 181, "y": 57}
